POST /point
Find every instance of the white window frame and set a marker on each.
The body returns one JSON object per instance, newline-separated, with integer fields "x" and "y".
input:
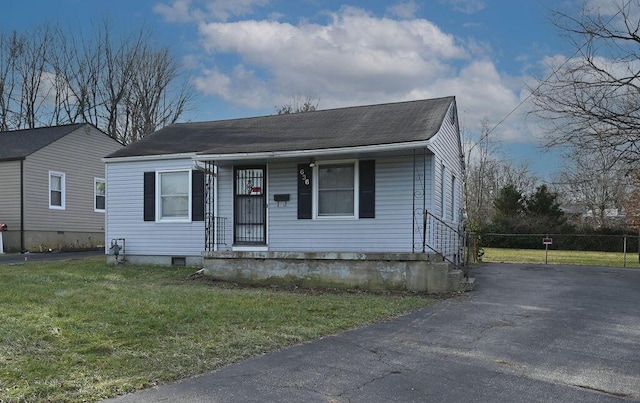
{"x": 454, "y": 200}
{"x": 95, "y": 194}
{"x": 356, "y": 190}
{"x": 443, "y": 199}
{"x": 159, "y": 217}
{"x": 62, "y": 190}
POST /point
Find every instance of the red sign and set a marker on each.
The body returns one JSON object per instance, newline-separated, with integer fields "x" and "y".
{"x": 547, "y": 241}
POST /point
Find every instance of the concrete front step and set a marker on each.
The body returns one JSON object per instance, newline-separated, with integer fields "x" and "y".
{"x": 458, "y": 282}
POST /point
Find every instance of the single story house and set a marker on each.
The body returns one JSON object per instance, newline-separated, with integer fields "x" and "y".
{"x": 308, "y": 195}
{"x": 52, "y": 187}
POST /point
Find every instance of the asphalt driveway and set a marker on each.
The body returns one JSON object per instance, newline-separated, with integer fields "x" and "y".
{"x": 526, "y": 334}
{"x": 19, "y": 258}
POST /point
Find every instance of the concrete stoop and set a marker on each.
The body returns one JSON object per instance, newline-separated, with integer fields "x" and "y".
{"x": 370, "y": 271}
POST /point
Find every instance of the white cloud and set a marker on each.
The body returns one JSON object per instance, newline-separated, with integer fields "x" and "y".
{"x": 405, "y": 9}
{"x": 355, "y": 52}
{"x": 200, "y": 10}
{"x": 354, "y": 58}
{"x": 466, "y": 6}
{"x": 177, "y": 11}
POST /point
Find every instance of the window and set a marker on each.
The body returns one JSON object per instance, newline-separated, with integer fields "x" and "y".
{"x": 336, "y": 190}
{"x": 442, "y": 198}
{"x": 99, "y": 194}
{"x": 56, "y": 190}
{"x": 174, "y": 200}
{"x": 152, "y": 200}
{"x": 453, "y": 199}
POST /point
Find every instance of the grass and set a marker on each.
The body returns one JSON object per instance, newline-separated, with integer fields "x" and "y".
{"x": 613, "y": 259}
{"x": 81, "y": 330}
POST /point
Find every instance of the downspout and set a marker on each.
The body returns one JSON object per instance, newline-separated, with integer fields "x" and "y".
{"x": 22, "y": 249}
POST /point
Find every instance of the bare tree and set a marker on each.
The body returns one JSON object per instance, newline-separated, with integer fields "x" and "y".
{"x": 592, "y": 99}
{"x": 596, "y": 180}
{"x": 299, "y": 103}
{"x": 31, "y": 67}
{"x": 10, "y": 47}
{"x": 123, "y": 84}
{"x": 486, "y": 174}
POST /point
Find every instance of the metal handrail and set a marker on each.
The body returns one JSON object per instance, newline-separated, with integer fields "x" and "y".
{"x": 449, "y": 240}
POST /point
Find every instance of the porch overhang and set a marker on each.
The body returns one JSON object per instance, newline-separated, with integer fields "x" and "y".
{"x": 390, "y": 149}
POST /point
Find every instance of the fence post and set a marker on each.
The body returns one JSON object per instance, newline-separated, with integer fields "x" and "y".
{"x": 624, "y": 249}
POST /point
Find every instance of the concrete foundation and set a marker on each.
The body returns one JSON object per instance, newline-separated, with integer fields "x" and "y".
{"x": 42, "y": 241}
{"x": 417, "y": 272}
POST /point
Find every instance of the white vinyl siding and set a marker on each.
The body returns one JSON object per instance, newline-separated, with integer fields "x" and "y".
{"x": 390, "y": 231}
{"x": 125, "y": 213}
{"x": 448, "y": 151}
{"x": 57, "y": 190}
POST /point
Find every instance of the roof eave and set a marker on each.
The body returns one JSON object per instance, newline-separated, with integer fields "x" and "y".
{"x": 154, "y": 157}
{"x": 13, "y": 159}
{"x": 206, "y": 156}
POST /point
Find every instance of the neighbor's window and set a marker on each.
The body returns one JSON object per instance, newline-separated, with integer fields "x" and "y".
{"x": 336, "y": 190}
{"x": 174, "y": 198}
{"x": 99, "y": 194}
{"x": 56, "y": 190}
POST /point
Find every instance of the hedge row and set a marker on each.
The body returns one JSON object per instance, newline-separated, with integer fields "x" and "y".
{"x": 580, "y": 242}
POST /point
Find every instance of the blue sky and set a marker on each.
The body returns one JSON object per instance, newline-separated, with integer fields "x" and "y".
{"x": 247, "y": 56}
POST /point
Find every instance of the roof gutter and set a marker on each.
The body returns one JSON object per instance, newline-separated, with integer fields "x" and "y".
{"x": 149, "y": 157}
{"x": 311, "y": 153}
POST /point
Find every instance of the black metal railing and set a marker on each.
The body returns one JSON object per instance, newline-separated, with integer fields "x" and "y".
{"x": 216, "y": 232}
{"x": 444, "y": 239}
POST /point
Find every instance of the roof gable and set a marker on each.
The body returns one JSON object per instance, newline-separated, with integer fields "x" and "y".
{"x": 381, "y": 124}
{"x": 18, "y": 144}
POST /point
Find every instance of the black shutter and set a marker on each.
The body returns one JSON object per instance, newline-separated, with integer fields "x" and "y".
{"x": 197, "y": 195}
{"x": 367, "y": 189}
{"x": 149, "y": 196}
{"x": 305, "y": 193}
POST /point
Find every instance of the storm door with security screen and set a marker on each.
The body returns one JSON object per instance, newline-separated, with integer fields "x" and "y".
{"x": 250, "y": 206}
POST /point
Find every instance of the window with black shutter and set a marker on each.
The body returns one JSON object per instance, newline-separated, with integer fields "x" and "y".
{"x": 305, "y": 191}
{"x": 149, "y": 196}
{"x": 367, "y": 197}
{"x": 172, "y": 199}
{"x": 197, "y": 195}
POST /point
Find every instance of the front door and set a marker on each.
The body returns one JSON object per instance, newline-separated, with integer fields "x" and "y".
{"x": 250, "y": 207}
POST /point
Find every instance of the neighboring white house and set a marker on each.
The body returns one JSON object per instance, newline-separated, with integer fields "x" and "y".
{"x": 348, "y": 180}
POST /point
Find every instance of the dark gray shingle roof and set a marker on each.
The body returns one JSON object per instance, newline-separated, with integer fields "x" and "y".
{"x": 18, "y": 144}
{"x": 332, "y": 128}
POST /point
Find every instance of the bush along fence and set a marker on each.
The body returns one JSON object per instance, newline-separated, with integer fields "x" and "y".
{"x": 577, "y": 242}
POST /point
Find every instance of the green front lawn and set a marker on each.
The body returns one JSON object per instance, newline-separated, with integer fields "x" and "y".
{"x": 499, "y": 255}
{"x": 84, "y": 331}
